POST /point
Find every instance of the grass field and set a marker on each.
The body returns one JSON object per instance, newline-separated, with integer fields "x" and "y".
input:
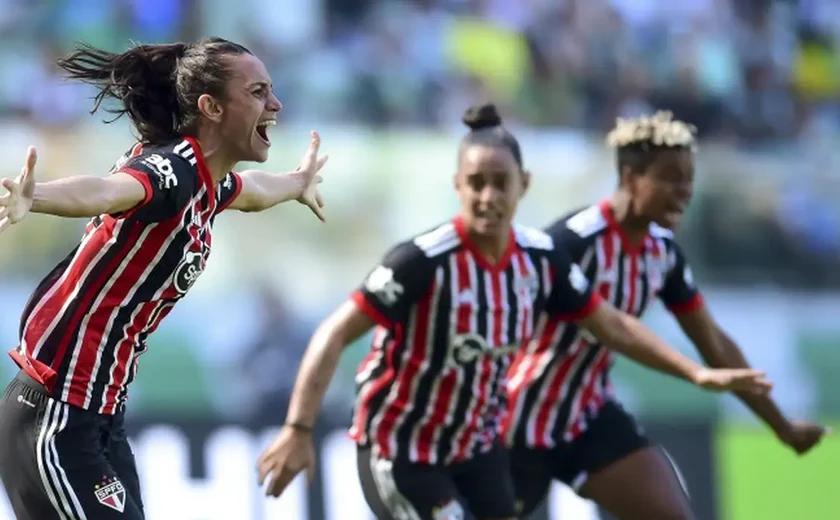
{"x": 762, "y": 480}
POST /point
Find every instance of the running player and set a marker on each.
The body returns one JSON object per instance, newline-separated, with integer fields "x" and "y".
{"x": 199, "y": 109}
{"x": 450, "y": 307}
{"x": 565, "y": 422}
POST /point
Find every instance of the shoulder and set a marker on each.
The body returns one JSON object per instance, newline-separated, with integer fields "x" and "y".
{"x": 582, "y": 223}
{"x": 435, "y": 242}
{"x": 168, "y": 161}
{"x": 532, "y": 238}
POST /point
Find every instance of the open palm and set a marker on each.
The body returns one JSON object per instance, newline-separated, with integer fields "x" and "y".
{"x": 17, "y": 202}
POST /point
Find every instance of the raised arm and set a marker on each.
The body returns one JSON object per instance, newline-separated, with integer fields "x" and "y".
{"x": 573, "y": 299}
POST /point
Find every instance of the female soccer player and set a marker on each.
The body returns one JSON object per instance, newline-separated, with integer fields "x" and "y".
{"x": 450, "y": 307}
{"x": 199, "y": 109}
{"x": 565, "y": 422}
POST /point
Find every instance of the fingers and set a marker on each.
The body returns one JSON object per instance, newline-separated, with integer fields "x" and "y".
{"x": 319, "y": 199}
{"x": 11, "y": 186}
{"x": 316, "y": 208}
{"x": 314, "y": 146}
{"x": 4, "y": 223}
{"x": 321, "y": 162}
{"x": 310, "y": 471}
{"x": 31, "y": 159}
{"x": 280, "y": 481}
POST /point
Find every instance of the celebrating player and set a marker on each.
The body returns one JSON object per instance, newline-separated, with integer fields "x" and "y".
{"x": 199, "y": 109}
{"x": 565, "y": 422}
{"x": 450, "y": 307}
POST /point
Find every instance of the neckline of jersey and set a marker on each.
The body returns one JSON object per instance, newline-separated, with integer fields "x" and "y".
{"x": 203, "y": 172}
{"x": 480, "y": 259}
{"x": 626, "y": 244}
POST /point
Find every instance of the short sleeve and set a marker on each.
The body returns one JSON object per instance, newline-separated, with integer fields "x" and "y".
{"x": 392, "y": 287}
{"x": 169, "y": 181}
{"x": 227, "y": 191}
{"x": 679, "y": 293}
{"x": 572, "y": 297}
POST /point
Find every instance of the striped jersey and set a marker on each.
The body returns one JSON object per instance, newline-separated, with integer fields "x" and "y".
{"x": 86, "y": 324}
{"x": 560, "y": 380}
{"x": 431, "y": 390}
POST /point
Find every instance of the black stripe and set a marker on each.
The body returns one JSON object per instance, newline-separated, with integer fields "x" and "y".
{"x": 71, "y": 320}
{"x": 159, "y": 276}
{"x": 42, "y": 289}
{"x": 561, "y": 424}
{"x": 438, "y": 334}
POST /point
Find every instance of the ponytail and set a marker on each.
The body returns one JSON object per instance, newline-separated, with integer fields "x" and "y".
{"x": 157, "y": 92}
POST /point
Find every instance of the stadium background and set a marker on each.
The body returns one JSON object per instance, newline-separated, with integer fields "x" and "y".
{"x": 385, "y": 83}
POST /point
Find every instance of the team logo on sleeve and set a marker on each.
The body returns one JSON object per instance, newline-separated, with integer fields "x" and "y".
{"x": 110, "y": 493}
{"x": 688, "y": 276}
{"x": 577, "y": 279}
{"x": 451, "y": 510}
{"x": 162, "y": 167}
{"x": 381, "y": 284}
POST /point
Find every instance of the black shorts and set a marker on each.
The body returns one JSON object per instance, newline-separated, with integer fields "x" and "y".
{"x": 480, "y": 487}
{"x": 59, "y": 462}
{"x": 612, "y": 435}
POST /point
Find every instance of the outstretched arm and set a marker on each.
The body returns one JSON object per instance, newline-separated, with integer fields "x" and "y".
{"x": 719, "y": 350}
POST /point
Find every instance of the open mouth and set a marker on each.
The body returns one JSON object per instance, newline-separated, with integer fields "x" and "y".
{"x": 262, "y": 130}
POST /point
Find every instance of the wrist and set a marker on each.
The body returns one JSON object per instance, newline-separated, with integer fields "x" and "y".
{"x": 699, "y": 375}
{"x": 299, "y": 427}
{"x": 298, "y": 183}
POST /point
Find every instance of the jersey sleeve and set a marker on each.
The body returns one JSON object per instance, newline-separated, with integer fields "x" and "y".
{"x": 572, "y": 296}
{"x": 679, "y": 292}
{"x": 393, "y": 286}
{"x": 169, "y": 181}
{"x": 228, "y": 190}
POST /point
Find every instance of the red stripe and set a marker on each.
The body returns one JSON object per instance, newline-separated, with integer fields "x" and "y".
{"x": 407, "y": 373}
{"x": 541, "y": 426}
{"x": 630, "y": 304}
{"x": 586, "y": 393}
{"x": 475, "y": 416}
{"x": 86, "y": 299}
{"x": 359, "y": 298}
{"x": 440, "y": 405}
{"x": 693, "y": 304}
{"x": 91, "y": 337}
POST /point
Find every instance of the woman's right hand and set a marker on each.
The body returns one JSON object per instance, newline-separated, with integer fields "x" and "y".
{"x": 17, "y": 203}
{"x": 291, "y": 452}
{"x": 733, "y": 379}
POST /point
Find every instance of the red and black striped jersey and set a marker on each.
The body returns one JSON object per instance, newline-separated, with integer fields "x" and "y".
{"x": 431, "y": 390}
{"x": 560, "y": 380}
{"x": 86, "y": 323}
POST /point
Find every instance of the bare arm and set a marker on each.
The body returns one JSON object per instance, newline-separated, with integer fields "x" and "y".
{"x": 629, "y": 336}
{"x": 719, "y": 351}
{"x": 340, "y": 329}
{"x": 88, "y": 196}
{"x": 262, "y": 190}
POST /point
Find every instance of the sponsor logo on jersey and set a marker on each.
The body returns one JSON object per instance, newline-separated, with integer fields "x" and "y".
{"x": 162, "y": 167}
{"x": 110, "y": 493}
{"x": 187, "y": 272}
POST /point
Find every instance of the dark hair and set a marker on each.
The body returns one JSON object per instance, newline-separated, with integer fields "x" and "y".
{"x": 638, "y": 141}
{"x": 158, "y": 86}
{"x": 486, "y": 129}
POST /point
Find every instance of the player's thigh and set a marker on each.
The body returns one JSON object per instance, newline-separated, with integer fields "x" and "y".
{"x": 121, "y": 457}
{"x": 643, "y": 486}
{"x": 623, "y": 473}
{"x": 486, "y": 484}
{"x": 531, "y": 472}
{"x": 397, "y": 490}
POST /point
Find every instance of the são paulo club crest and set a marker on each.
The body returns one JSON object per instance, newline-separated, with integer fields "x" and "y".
{"x": 111, "y": 493}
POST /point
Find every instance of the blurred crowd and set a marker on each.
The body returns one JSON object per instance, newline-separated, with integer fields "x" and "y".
{"x": 761, "y": 76}
{"x": 749, "y": 69}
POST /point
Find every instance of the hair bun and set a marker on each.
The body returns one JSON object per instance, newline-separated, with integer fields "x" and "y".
{"x": 478, "y": 117}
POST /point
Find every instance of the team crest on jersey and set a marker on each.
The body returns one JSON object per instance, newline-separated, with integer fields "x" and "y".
{"x": 187, "y": 272}
{"x": 451, "y": 510}
{"x": 528, "y": 286}
{"x": 110, "y": 493}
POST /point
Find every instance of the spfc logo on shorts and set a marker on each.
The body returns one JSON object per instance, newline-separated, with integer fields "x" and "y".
{"x": 111, "y": 493}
